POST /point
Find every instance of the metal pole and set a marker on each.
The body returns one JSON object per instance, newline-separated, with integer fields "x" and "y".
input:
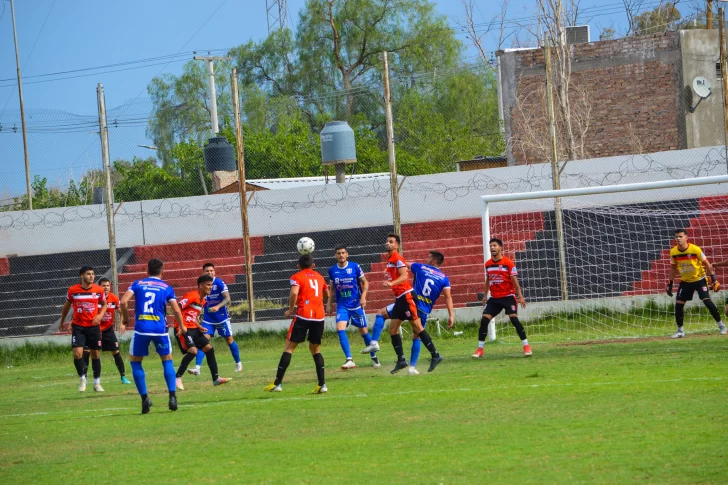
{"x": 486, "y": 248}
{"x": 390, "y": 149}
{"x": 104, "y": 133}
{"x": 22, "y": 111}
{"x": 243, "y": 195}
{"x": 555, "y": 176}
{"x": 213, "y": 97}
{"x": 724, "y": 77}
{"x": 709, "y": 14}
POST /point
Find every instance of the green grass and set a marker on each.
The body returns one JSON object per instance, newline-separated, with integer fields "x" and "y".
{"x": 641, "y": 411}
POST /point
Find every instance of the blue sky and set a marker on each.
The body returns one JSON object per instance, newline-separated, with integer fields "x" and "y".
{"x": 65, "y": 35}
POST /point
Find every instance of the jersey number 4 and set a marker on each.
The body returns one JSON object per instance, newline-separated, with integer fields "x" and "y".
{"x": 314, "y": 284}
{"x": 149, "y": 302}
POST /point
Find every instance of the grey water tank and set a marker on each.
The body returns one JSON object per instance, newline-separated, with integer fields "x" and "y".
{"x": 219, "y": 155}
{"x": 337, "y": 143}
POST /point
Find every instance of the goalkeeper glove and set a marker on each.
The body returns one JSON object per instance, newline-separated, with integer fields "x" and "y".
{"x": 668, "y": 288}
{"x": 713, "y": 283}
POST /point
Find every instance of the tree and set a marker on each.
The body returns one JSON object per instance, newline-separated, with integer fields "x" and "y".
{"x": 45, "y": 197}
{"x": 662, "y": 18}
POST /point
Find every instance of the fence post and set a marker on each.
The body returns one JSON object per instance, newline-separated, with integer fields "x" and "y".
{"x": 104, "y": 133}
{"x": 390, "y": 149}
{"x": 243, "y": 194}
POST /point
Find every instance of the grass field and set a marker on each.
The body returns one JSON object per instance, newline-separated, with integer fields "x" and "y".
{"x": 649, "y": 411}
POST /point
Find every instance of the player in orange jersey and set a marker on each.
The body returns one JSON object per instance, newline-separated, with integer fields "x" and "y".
{"x": 501, "y": 280}
{"x": 89, "y": 306}
{"x": 194, "y": 339}
{"x": 109, "y": 342}
{"x": 405, "y": 307}
{"x": 306, "y": 304}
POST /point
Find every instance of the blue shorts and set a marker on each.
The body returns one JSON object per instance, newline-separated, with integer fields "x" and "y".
{"x": 423, "y": 316}
{"x": 223, "y": 329}
{"x": 352, "y": 317}
{"x": 139, "y": 345}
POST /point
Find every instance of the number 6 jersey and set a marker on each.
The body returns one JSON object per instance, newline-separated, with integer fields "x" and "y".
{"x": 428, "y": 284}
{"x": 310, "y": 304}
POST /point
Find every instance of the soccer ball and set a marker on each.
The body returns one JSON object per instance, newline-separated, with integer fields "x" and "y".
{"x": 305, "y": 245}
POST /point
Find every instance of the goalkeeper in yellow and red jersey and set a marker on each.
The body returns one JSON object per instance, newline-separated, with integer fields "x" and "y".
{"x": 689, "y": 262}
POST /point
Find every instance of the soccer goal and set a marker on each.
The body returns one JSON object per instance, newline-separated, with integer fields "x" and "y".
{"x": 593, "y": 262}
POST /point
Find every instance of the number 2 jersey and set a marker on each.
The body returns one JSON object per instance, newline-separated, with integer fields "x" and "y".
{"x": 311, "y": 287}
{"x": 346, "y": 284}
{"x": 428, "y": 284}
{"x": 151, "y": 296}
{"x": 499, "y": 275}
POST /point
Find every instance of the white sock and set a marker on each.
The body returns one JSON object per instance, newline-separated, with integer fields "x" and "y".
{"x": 83, "y": 377}
{"x": 97, "y": 380}
{"x": 524, "y": 341}
{"x": 721, "y": 324}
{"x": 481, "y": 344}
{"x": 374, "y": 342}
{"x": 197, "y": 367}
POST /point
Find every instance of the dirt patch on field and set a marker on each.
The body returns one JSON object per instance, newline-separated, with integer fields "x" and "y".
{"x": 630, "y": 340}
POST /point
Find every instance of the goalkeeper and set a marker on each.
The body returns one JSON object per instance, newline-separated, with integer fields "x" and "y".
{"x": 689, "y": 261}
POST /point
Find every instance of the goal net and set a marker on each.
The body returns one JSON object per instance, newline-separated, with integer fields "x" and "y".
{"x": 603, "y": 274}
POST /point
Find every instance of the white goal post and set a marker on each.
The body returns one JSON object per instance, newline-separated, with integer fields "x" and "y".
{"x": 570, "y": 263}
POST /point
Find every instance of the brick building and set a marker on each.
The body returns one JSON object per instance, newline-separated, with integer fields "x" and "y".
{"x": 628, "y": 96}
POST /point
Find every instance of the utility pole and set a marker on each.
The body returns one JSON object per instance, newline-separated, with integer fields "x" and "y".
{"x": 723, "y": 71}
{"x": 22, "y": 110}
{"x": 277, "y": 11}
{"x": 555, "y": 175}
{"x": 211, "y": 84}
{"x": 390, "y": 149}
{"x": 104, "y": 133}
{"x": 243, "y": 195}
{"x": 709, "y": 14}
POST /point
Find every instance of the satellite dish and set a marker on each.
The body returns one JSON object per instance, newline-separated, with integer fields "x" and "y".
{"x": 702, "y": 87}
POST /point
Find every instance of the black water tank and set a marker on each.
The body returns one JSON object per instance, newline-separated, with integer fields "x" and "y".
{"x": 220, "y": 155}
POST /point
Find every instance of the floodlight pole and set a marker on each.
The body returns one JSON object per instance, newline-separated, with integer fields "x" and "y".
{"x": 22, "y": 111}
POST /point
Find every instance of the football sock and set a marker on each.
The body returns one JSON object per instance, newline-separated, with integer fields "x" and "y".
{"x": 524, "y": 341}
{"x": 427, "y": 340}
{"x": 169, "y": 375}
{"x": 344, "y": 342}
{"x": 519, "y": 328}
{"x": 415, "y": 352}
{"x": 140, "y": 380}
{"x": 235, "y": 351}
{"x": 679, "y": 314}
{"x": 712, "y": 309}
{"x": 378, "y": 327}
{"x": 119, "y": 361}
{"x": 282, "y": 366}
{"x": 97, "y": 380}
{"x": 86, "y": 357}
{"x": 318, "y": 359}
{"x": 212, "y": 364}
{"x": 397, "y": 344}
{"x": 200, "y": 358}
{"x": 96, "y": 366}
{"x": 481, "y": 344}
{"x": 80, "y": 366}
{"x": 186, "y": 359}
{"x": 483, "y": 330}
{"x": 368, "y": 340}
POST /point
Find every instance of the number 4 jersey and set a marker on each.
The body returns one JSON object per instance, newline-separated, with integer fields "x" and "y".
{"x": 151, "y": 296}
{"x": 428, "y": 284}
{"x": 310, "y": 304}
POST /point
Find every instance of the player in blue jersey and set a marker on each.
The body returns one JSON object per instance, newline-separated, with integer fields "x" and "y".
{"x": 429, "y": 282}
{"x": 151, "y": 295}
{"x": 216, "y": 319}
{"x": 351, "y": 287}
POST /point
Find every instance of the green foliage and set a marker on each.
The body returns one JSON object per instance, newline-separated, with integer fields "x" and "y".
{"x": 145, "y": 179}
{"x": 661, "y": 19}
{"x": 45, "y": 197}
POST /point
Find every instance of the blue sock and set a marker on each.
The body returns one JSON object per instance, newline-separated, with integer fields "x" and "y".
{"x": 367, "y": 340}
{"x": 378, "y": 327}
{"x": 137, "y": 372}
{"x": 235, "y": 351}
{"x": 416, "y": 344}
{"x": 169, "y": 374}
{"x": 344, "y": 341}
{"x": 200, "y": 357}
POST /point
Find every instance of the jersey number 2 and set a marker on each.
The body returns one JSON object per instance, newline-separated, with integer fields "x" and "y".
{"x": 314, "y": 285}
{"x": 150, "y": 301}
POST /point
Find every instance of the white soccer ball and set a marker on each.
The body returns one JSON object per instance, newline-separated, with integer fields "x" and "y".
{"x": 305, "y": 245}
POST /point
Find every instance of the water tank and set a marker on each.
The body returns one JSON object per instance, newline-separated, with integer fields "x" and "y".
{"x": 219, "y": 155}
{"x": 337, "y": 143}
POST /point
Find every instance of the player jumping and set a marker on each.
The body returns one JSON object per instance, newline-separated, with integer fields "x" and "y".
{"x": 501, "y": 280}
{"x": 404, "y": 307}
{"x": 151, "y": 295}
{"x": 429, "y": 282}
{"x": 346, "y": 277}
{"x": 194, "y": 339}
{"x": 89, "y": 306}
{"x": 688, "y": 260}
{"x": 216, "y": 319}
{"x": 306, "y": 299}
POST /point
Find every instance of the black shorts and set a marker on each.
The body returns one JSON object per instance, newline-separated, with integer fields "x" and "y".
{"x": 86, "y": 337}
{"x": 109, "y": 343}
{"x": 300, "y": 327}
{"x": 685, "y": 290}
{"x": 193, "y": 338}
{"x": 404, "y": 308}
{"x": 494, "y": 306}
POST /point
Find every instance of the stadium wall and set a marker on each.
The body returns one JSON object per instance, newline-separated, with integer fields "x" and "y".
{"x": 444, "y": 196}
